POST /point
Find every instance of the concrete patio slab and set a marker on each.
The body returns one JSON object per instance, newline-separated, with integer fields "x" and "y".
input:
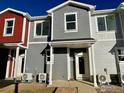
{"x": 82, "y": 87}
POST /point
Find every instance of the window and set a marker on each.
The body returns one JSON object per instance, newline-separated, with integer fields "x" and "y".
{"x": 47, "y": 56}
{"x": 70, "y": 22}
{"x": 120, "y": 54}
{"x": 9, "y": 27}
{"x": 106, "y": 23}
{"x": 41, "y": 28}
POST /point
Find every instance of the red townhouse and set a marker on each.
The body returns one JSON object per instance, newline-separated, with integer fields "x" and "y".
{"x": 13, "y": 42}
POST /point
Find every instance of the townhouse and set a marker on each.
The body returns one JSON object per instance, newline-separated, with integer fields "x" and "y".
{"x": 73, "y": 42}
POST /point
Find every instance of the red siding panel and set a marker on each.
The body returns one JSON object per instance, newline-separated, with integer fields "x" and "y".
{"x": 16, "y": 38}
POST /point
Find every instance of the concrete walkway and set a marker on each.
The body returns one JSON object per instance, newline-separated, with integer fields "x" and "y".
{"x": 82, "y": 87}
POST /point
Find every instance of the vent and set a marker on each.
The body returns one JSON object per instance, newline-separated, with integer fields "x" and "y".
{"x": 42, "y": 77}
{"x": 104, "y": 79}
{"x": 27, "y": 77}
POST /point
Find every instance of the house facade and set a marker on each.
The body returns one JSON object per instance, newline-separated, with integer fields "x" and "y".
{"x": 73, "y": 42}
{"x": 13, "y": 42}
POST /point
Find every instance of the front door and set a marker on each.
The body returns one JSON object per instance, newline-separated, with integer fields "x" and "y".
{"x": 21, "y": 64}
{"x": 82, "y": 67}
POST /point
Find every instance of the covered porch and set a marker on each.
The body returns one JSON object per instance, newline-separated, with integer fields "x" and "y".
{"x": 12, "y": 60}
{"x": 79, "y": 62}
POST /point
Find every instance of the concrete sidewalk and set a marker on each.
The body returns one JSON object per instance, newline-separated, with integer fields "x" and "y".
{"x": 82, "y": 87}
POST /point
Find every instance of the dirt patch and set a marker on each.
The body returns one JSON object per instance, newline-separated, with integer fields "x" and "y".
{"x": 110, "y": 89}
{"x": 4, "y": 83}
{"x": 8, "y": 89}
{"x": 66, "y": 90}
{"x": 37, "y": 88}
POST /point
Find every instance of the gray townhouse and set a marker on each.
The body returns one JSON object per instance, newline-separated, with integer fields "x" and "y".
{"x": 76, "y": 42}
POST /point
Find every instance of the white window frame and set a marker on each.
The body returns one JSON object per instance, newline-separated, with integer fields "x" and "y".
{"x": 119, "y": 54}
{"x": 65, "y": 23}
{"x": 47, "y": 62}
{"x": 5, "y": 26}
{"x": 108, "y": 31}
{"x": 35, "y": 24}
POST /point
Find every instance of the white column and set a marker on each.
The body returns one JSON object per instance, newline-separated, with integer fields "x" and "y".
{"x": 94, "y": 67}
{"x": 7, "y": 69}
{"x": 8, "y": 64}
{"x": 25, "y": 61}
{"x": 90, "y": 60}
{"x": 68, "y": 64}
{"x": 16, "y": 63}
{"x": 51, "y": 65}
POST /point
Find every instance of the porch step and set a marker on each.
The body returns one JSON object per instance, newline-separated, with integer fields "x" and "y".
{"x": 86, "y": 82}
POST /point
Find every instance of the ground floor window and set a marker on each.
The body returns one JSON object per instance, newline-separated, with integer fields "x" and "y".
{"x": 48, "y": 56}
{"x": 120, "y": 54}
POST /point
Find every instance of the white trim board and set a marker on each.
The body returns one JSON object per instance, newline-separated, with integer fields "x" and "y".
{"x": 108, "y": 40}
{"x": 51, "y": 65}
{"x": 38, "y": 42}
{"x": 90, "y": 22}
{"x": 68, "y": 64}
{"x": 52, "y": 26}
{"x": 23, "y": 29}
{"x": 29, "y": 28}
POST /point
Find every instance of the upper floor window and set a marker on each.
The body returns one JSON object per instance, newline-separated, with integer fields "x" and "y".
{"x": 106, "y": 23}
{"x": 71, "y": 22}
{"x": 9, "y": 27}
{"x": 120, "y": 54}
{"x": 41, "y": 28}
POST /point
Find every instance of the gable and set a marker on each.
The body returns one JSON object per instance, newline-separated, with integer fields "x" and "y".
{"x": 11, "y": 14}
{"x": 13, "y": 10}
{"x": 72, "y": 3}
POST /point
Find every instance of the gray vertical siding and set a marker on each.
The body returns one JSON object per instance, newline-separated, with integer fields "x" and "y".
{"x": 104, "y": 48}
{"x": 35, "y": 59}
{"x": 104, "y": 53}
{"x": 60, "y": 64}
{"x": 83, "y": 24}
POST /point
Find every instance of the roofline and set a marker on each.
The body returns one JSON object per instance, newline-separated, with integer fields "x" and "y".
{"x": 39, "y": 17}
{"x": 121, "y": 6}
{"x": 10, "y": 9}
{"x": 17, "y": 11}
{"x": 105, "y": 11}
{"x": 73, "y": 2}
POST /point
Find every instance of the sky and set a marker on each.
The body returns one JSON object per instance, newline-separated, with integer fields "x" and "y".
{"x": 39, "y": 7}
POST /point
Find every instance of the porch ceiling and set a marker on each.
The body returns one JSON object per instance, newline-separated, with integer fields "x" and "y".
{"x": 9, "y": 45}
{"x": 73, "y": 44}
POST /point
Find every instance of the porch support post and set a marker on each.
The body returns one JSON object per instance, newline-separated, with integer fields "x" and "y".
{"x": 94, "y": 67}
{"x": 51, "y": 65}
{"x": 90, "y": 61}
{"x": 8, "y": 64}
{"x": 68, "y": 64}
{"x": 25, "y": 60}
{"x": 16, "y": 63}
